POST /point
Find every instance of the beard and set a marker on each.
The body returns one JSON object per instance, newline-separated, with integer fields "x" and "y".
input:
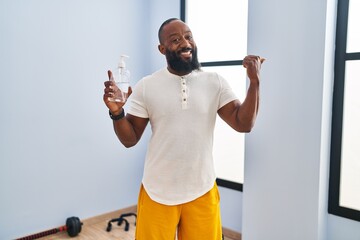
{"x": 179, "y": 65}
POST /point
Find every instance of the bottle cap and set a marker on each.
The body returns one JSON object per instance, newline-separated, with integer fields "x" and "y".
{"x": 122, "y": 61}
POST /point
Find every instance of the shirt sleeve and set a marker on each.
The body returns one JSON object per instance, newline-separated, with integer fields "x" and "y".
{"x": 137, "y": 105}
{"x": 226, "y": 93}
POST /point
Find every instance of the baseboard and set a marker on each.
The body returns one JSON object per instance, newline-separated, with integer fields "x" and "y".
{"x": 231, "y": 234}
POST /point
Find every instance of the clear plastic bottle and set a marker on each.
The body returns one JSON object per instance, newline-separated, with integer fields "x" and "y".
{"x": 121, "y": 77}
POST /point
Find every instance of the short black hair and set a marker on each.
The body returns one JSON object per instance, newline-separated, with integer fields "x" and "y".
{"x": 163, "y": 25}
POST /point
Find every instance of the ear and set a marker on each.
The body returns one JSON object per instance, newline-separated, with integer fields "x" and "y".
{"x": 162, "y": 49}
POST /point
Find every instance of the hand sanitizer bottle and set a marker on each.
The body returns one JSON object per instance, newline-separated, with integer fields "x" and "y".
{"x": 121, "y": 77}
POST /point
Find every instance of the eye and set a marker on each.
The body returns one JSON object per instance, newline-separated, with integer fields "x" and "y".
{"x": 175, "y": 40}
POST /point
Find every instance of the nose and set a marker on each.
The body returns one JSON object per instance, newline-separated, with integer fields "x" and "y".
{"x": 185, "y": 43}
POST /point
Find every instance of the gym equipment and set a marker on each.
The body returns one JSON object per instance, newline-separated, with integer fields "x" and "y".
{"x": 120, "y": 220}
{"x": 73, "y": 228}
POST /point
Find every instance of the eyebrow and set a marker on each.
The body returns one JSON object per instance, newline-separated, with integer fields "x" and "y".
{"x": 175, "y": 34}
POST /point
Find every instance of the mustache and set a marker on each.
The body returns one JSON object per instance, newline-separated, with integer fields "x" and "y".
{"x": 186, "y": 49}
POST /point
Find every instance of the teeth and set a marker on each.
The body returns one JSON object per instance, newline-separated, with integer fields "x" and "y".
{"x": 186, "y": 52}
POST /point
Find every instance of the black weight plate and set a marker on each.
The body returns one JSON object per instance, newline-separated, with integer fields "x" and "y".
{"x": 73, "y": 225}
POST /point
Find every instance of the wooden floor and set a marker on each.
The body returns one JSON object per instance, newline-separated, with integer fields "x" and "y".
{"x": 95, "y": 229}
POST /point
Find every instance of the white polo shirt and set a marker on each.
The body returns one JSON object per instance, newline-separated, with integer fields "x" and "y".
{"x": 182, "y": 112}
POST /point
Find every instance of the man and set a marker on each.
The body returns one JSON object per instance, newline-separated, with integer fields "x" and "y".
{"x": 178, "y": 192}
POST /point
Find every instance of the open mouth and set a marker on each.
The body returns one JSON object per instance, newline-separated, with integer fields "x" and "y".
{"x": 187, "y": 52}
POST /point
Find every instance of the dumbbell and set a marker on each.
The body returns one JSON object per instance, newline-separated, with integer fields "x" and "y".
{"x": 73, "y": 228}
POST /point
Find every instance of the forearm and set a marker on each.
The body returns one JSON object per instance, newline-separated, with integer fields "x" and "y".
{"x": 247, "y": 111}
{"x": 127, "y": 128}
{"x": 125, "y": 132}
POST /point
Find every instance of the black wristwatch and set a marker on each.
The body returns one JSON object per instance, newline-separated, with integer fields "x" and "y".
{"x": 117, "y": 117}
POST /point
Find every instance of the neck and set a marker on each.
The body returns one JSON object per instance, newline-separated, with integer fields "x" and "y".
{"x": 179, "y": 73}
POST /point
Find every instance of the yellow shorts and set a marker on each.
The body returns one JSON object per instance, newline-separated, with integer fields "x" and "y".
{"x": 196, "y": 220}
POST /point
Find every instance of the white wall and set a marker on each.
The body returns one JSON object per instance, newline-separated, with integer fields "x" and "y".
{"x": 287, "y": 154}
{"x": 342, "y": 229}
{"x": 59, "y": 156}
{"x": 282, "y": 168}
{"x": 231, "y": 208}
